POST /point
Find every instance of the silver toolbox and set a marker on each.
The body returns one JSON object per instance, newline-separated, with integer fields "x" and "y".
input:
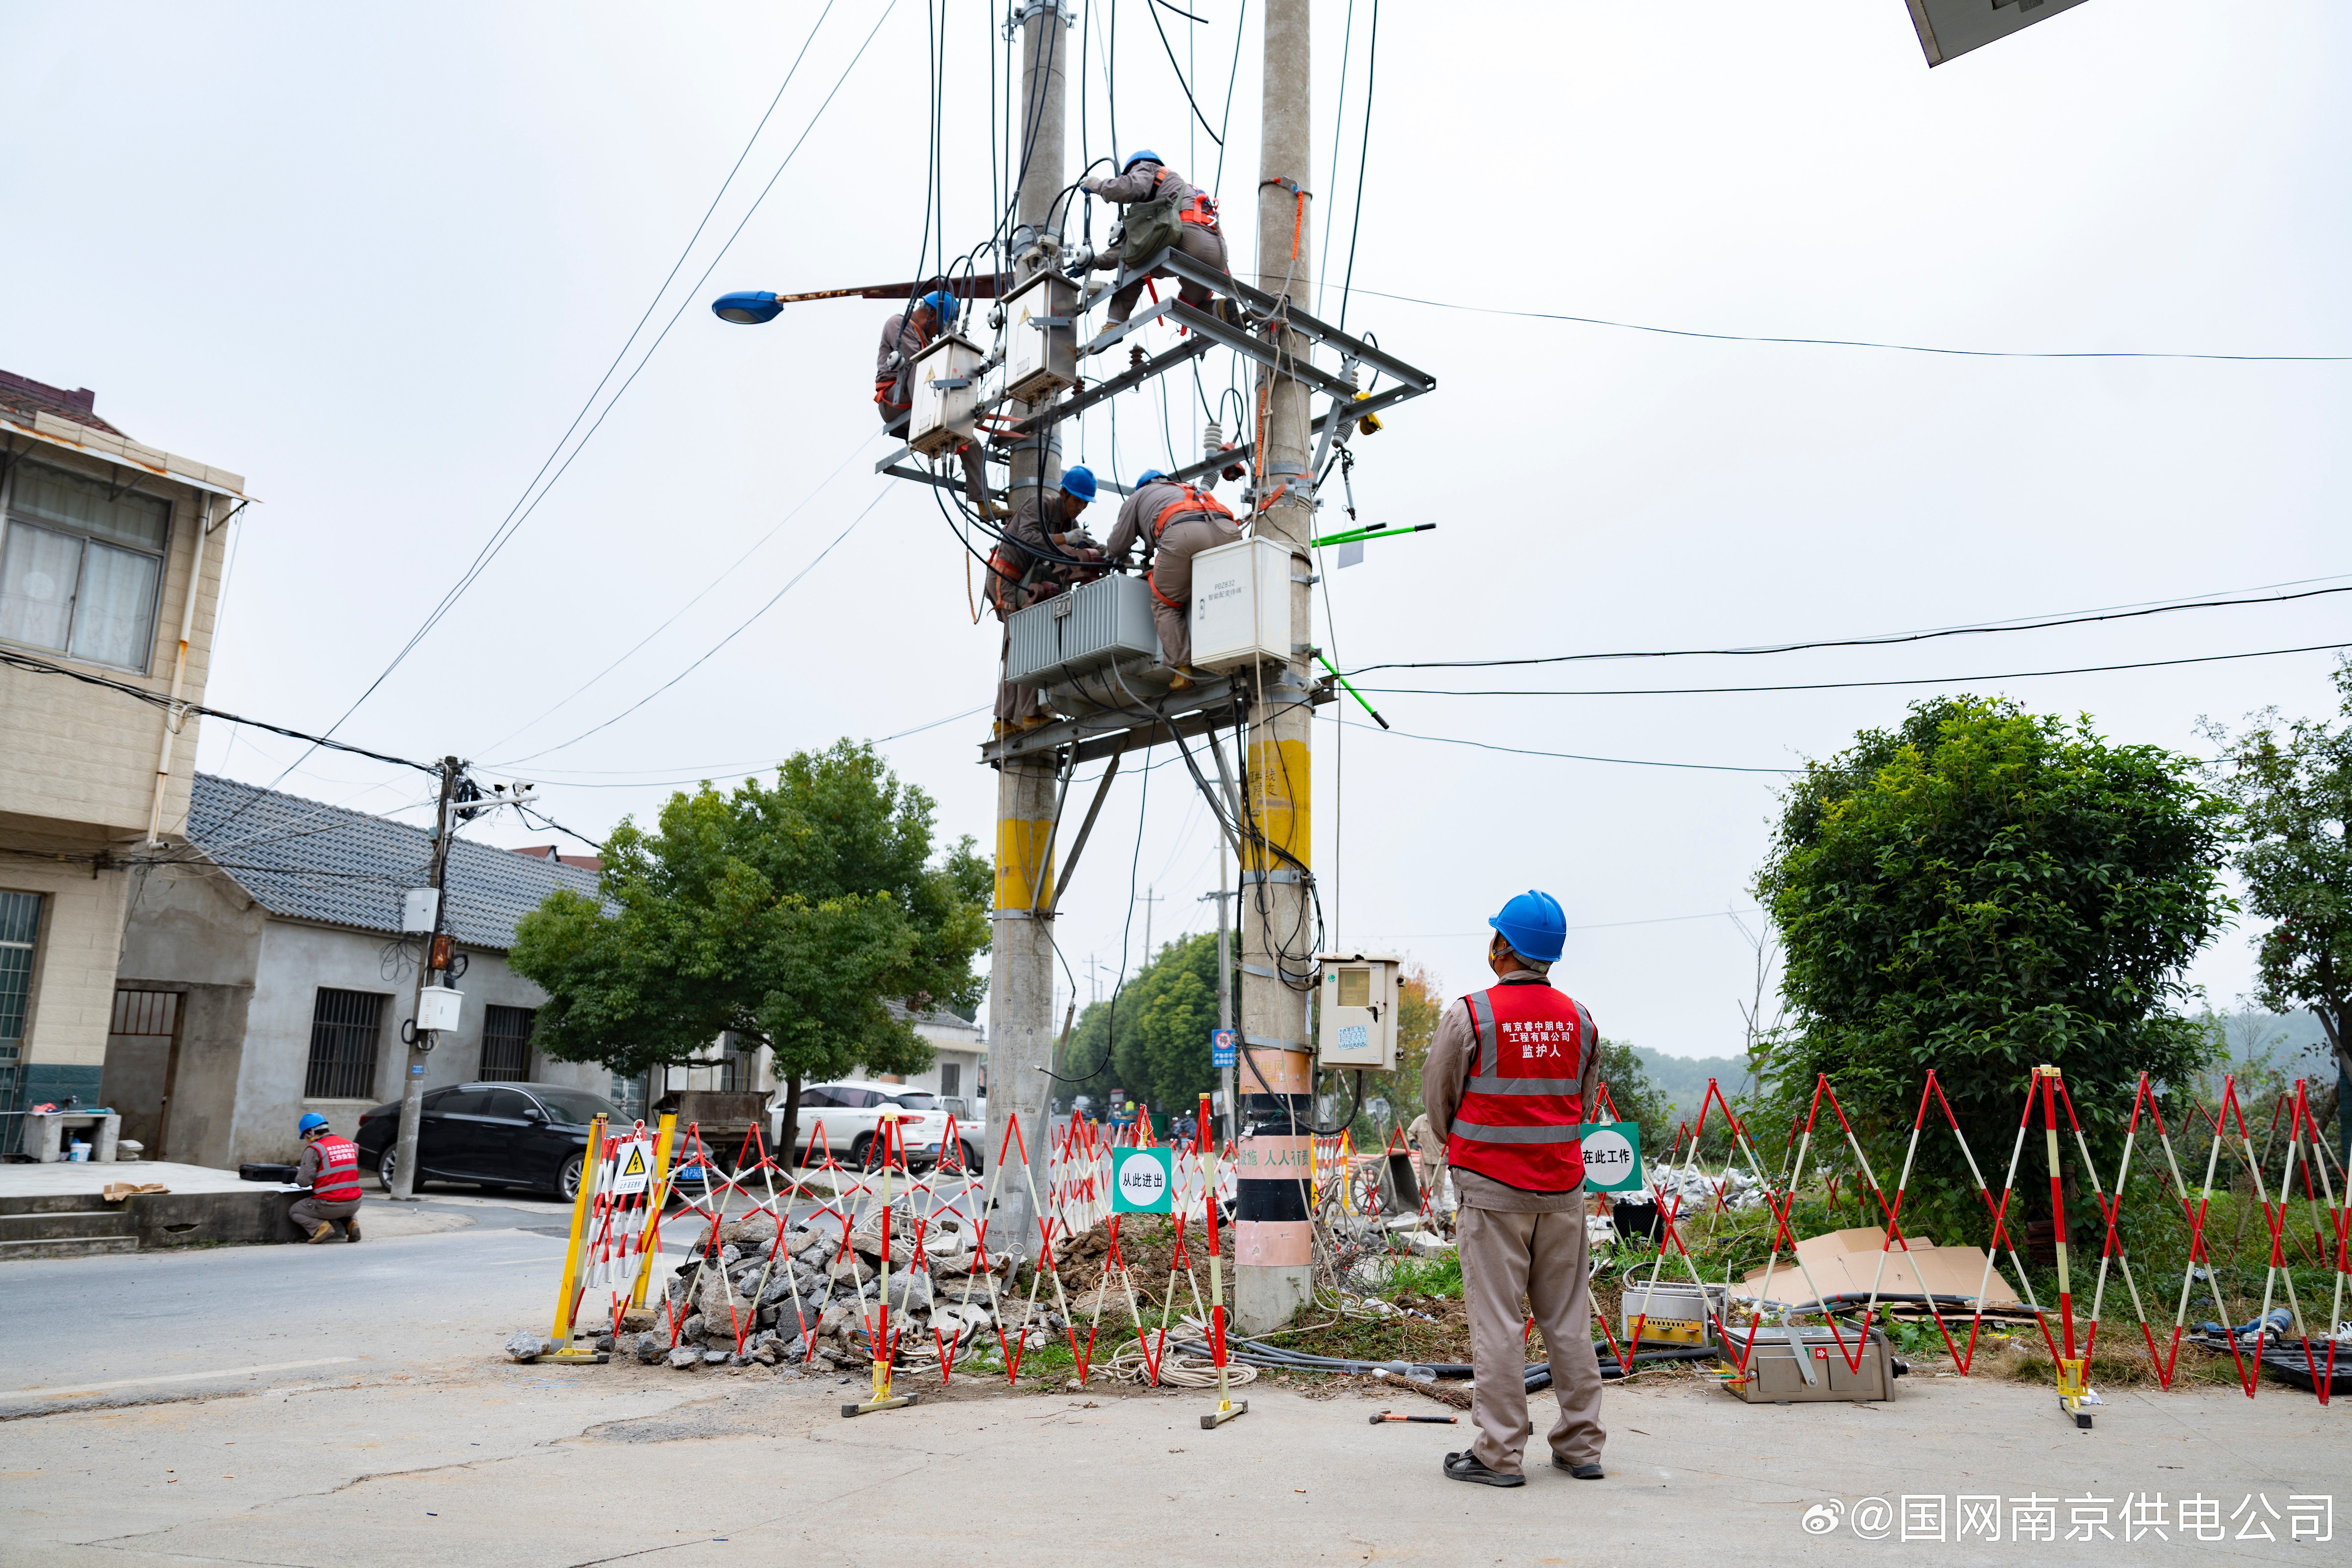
{"x": 1791, "y": 1366}
{"x": 1073, "y": 633}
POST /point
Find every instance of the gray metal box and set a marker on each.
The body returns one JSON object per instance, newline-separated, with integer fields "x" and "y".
{"x": 1070, "y": 634}
{"x": 1776, "y": 1375}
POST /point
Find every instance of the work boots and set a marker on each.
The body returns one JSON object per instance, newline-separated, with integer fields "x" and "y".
{"x": 352, "y": 1229}
{"x": 323, "y": 1230}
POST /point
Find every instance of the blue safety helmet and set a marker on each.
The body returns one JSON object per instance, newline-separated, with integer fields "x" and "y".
{"x": 1140, "y": 156}
{"x": 311, "y": 1123}
{"x": 1532, "y": 923}
{"x": 943, "y": 306}
{"x": 1080, "y": 481}
{"x": 1149, "y": 475}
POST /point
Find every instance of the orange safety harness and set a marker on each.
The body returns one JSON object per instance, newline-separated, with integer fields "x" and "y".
{"x": 1197, "y": 502}
{"x": 1201, "y": 210}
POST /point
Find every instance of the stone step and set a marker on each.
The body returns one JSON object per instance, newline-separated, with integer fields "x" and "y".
{"x": 68, "y": 1246}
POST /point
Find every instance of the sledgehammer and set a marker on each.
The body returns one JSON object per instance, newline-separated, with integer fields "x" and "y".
{"x": 1431, "y": 1420}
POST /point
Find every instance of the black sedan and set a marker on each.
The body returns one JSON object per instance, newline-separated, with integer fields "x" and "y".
{"x": 494, "y": 1134}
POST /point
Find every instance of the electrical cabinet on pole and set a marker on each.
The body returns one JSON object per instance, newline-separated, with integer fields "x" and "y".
{"x": 1021, "y": 949}
{"x": 1273, "y": 1240}
{"x": 420, "y": 1039}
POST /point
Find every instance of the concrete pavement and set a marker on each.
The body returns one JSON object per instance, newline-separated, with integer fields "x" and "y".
{"x": 512, "y": 1465}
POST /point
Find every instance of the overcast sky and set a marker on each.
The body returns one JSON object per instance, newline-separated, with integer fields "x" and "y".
{"x": 376, "y": 258}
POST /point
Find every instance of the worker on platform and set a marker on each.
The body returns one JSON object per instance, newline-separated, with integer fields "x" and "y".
{"x": 330, "y": 1169}
{"x": 1040, "y": 542}
{"x": 1508, "y": 1077}
{"x": 1173, "y": 522}
{"x": 1153, "y": 193}
{"x": 904, "y": 336}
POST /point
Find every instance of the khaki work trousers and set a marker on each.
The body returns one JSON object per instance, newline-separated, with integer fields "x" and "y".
{"x": 305, "y": 1213}
{"x": 1014, "y": 703}
{"x": 1196, "y": 241}
{"x": 1171, "y": 574}
{"x": 1542, "y": 1258}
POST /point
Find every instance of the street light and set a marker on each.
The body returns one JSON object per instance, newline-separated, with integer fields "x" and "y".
{"x": 748, "y": 308}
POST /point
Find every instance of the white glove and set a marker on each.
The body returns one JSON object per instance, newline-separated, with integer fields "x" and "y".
{"x": 1093, "y": 182}
{"x": 1080, "y": 537}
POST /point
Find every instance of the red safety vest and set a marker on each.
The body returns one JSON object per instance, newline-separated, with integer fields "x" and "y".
{"x": 1520, "y": 1109}
{"x": 338, "y": 1181}
{"x": 1196, "y": 503}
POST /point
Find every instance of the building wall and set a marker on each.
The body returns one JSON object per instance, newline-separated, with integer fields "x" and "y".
{"x": 82, "y": 755}
{"x": 64, "y": 1046}
{"x": 192, "y": 930}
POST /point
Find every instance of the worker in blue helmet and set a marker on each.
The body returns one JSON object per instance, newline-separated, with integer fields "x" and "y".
{"x": 1173, "y": 522}
{"x": 1511, "y": 1077}
{"x": 1044, "y": 550}
{"x": 904, "y": 336}
{"x": 1163, "y": 209}
{"x": 330, "y": 1170}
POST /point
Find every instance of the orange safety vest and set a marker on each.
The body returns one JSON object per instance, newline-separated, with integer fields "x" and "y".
{"x": 1201, "y": 211}
{"x": 1196, "y": 503}
{"x": 1518, "y": 1122}
{"x": 338, "y": 1181}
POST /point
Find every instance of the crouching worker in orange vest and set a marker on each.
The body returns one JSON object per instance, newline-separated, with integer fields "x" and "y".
{"x": 330, "y": 1169}
{"x": 1509, "y": 1077}
{"x": 1173, "y": 522}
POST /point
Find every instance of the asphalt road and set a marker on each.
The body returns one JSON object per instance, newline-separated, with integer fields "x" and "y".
{"x": 159, "y": 1326}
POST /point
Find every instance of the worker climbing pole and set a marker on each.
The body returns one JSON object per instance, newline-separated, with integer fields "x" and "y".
{"x": 1272, "y": 1240}
{"x": 1020, "y": 961}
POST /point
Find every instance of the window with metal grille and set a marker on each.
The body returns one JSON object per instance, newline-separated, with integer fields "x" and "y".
{"x": 950, "y": 1079}
{"x": 506, "y": 1044}
{"x": 20, "y": 923}
{"x": 344, "y": 1028}
{"x": 738, "y": 1063}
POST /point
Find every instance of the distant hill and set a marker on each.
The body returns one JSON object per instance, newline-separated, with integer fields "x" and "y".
{"x": 1682, "y": 1080}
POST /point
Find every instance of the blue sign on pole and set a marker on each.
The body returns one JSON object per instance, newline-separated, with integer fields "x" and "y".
{"x": 1222, "y": 1047}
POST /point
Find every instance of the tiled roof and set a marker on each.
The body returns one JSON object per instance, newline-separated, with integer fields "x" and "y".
{"x": 309, "y": 861}
{"x": 936, "y": 1018}
{"x": 23, "y": 395}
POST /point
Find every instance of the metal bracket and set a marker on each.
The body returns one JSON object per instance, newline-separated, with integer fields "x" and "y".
{"x": 1041, "y": 322}
{"x": 946, "y": 383}
{"x": 1248, "y": 877}
{"x": 1258, "y": 970}
{"x": 1268, "y": 1043}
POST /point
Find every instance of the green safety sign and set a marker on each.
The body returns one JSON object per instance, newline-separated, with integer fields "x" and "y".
{"x": 1612, "y": 1156}
{"x": 1142, "y": 1182}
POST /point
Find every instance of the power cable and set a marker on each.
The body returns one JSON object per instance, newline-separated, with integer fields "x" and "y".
{"x": 1363, "y": 160}
{"x": 1580, "y": 757}
{"x": 1864, "y": 342}
{"x": 1848, "y": 685}
{"x": 1976, "y": 629}
{"x": 519, "y": 513}
{"x": 1153, "y": 7}
{"x": 742, "y": 627}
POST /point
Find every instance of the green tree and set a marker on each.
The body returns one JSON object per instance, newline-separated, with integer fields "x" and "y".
{"x": 2292, "y": 785}
{"x": 1420, "y": 1002}
{"x": 788, "y": 914}
{"x": 1978, "y": 890}
{"x": 1158, "y": 1054}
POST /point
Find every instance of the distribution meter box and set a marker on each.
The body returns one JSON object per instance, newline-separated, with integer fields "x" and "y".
{"x": 420, "y": 907}
{"x": 1041, "y": 338}
{"x": 1356, "y": 1010}
{"x": 943, "y": 416}
{"x": 1240, "y": 604}
{"x": 438, "y": 1008}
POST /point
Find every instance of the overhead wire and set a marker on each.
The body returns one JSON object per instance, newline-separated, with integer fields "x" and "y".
{"x": 1979, "y": 629}
{"x": 1849, "y": 685}
{"x": 1861, "y": 343}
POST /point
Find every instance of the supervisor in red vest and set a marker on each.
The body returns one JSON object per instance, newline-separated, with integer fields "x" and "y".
{"x": 330, "y": 1169}
{"x": 1510, "y": 1076}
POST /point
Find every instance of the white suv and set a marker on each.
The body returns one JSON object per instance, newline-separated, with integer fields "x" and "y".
{"x": 850, "y": 1117}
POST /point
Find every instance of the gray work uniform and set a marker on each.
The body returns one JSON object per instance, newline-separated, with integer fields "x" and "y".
{"x": 1513, "y": 1244}
{"x": 1204, "y": 242}
{"x": 1037, "y": 516}
{"x": 900, "y": 336}
{"x": 307, "y": 1212}
{"x": 1429, "y": 1154}
{"x": 1170, "y": 558}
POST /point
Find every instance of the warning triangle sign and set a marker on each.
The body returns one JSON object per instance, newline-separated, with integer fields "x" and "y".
{"x": 635, "y": 1164}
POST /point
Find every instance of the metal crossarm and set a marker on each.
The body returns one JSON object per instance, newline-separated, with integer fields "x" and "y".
{"x": 1039, "y": 423}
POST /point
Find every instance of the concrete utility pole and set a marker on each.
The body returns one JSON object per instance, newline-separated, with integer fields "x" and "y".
{"x": 1021, "y": 953}
{"x": 420, "y": 1044}
{"x": 1273, "y": 1244}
